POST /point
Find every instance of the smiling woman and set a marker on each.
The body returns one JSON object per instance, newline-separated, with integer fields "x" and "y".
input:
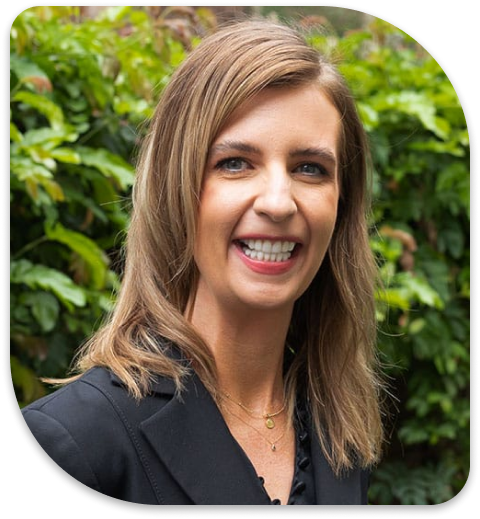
{"x": 246, "y": 315}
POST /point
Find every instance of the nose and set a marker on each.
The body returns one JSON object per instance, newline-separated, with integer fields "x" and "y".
{"x": 275, "y": 197}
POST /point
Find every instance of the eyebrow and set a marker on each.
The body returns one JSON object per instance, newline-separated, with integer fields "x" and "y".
{"x": 317, "y": 151}
{"x": 323, "y": 153}
{"x": 234, "y": 146}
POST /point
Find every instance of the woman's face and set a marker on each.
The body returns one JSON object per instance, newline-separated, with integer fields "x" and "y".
{"x": 269, "y": 200}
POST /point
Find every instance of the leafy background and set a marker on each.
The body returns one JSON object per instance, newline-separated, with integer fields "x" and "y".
{"x": 82, "y": 87}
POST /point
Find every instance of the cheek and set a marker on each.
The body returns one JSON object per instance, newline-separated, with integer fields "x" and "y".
{"x": 322, "y": 224}
{"x": 322, "y": 211}
{"x": 217, "y": 218}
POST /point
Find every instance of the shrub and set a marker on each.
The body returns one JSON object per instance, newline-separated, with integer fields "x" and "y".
{"x": 80, "y": 92}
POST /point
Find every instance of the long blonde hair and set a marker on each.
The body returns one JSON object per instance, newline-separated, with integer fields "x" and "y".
{"x": 333, "y": 327}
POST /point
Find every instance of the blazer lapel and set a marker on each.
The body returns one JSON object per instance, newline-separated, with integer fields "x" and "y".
{"x": 193, "y": 441}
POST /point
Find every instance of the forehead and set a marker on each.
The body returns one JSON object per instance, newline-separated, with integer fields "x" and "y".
{"x": 302, "y": 113}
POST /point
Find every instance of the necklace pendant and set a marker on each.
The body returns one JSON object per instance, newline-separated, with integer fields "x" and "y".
{"x": 274, "y": 448}
{"x": 269, "y": 423}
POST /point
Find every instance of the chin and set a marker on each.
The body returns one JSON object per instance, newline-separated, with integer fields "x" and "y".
{"x": 270, "y": 301}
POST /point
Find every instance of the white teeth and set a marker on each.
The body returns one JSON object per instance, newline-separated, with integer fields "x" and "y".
{"x": 277, "y": 247}
{"x": 268, "y": 250}
{"x": 258, "y": 255}
{"x": 268, "y": 246}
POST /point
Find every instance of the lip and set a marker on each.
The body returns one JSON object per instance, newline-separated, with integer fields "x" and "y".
{"x": 266, "y": 267}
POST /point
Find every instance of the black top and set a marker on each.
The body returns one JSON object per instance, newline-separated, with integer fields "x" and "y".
{"x": 167, "y": 450}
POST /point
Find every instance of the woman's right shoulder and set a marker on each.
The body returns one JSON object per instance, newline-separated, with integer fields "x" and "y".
{"x": 81, "y": 424}
{"x": 93, "y": 405}
{"x": 89, "y": 395}
{"x": 88, "y": 408}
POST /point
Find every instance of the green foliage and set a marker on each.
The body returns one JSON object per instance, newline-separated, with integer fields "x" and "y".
{"x": 80, "y": 91}
{"x": 342, "y": 20}
{"x": 421, "y": 485}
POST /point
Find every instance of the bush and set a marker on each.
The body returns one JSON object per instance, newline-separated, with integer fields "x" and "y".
{"x": 80, "y": 92}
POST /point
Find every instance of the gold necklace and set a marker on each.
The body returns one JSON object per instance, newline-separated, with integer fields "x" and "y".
{"x": 268, "y": 417}
{"x": 273, "y": 444}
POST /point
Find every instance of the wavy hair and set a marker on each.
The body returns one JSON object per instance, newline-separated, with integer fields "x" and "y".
{"x": 333, "y": 329}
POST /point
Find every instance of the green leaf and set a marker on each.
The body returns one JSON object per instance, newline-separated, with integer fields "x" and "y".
{"x": 446, "y": 430}
{"x": 413, "y": 433}
{"x": 368, "y": 115}
{"x": 452, "y": 240}
{"x": 35, "y": 175}
{"x": 25, "y": 70}
{"x": 95, "y": 258}
{"x": 48, "y": 108}
{"x": 52, "y": 280}
{"x": 44, "y": 307}
{"x": 416, "y": 104}
{"x": 15, "y": 134}
{"x": 66, "y": 155}
{"x": 394, "y": 298}
{"x": 25, "y": 168}
{"x": 449, "y": 147}
{"x": 48, "y": 138}
{"x": 419, "y": 289}
{"x": 416, "y": 326}
{"x": 109, "y": 164}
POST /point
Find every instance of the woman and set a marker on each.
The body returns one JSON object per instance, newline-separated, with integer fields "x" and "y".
{"x": 238, "y": 366}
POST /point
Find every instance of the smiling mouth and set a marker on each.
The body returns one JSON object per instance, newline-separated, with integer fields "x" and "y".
{"x": 275, "y": 251}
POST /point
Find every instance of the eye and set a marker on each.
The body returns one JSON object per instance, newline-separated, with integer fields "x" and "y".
{"x": 233, "y": 165}
{"x": 311, "y": 169}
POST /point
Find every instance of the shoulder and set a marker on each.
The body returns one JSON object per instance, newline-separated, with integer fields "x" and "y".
{"x": 94, "y": 405}
{"x": 87, "y": 397}
{"x": 62, "y": 423}
{"x": 88, "y": 428}
{"x": 98, "y": 396}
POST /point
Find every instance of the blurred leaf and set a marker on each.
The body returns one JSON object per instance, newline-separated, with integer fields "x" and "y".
{"x": 25, "y": 379}
{"x": 109, "y": 164}
{"x": 48, "y": 108}
{"x": 35, "y": 175}
{"x": 419, "y": 288}
{"x": 86, "y": 248}
{"x": 393, "y": 298}
{"x": 15, "y": 134}
{"x": 67, "y": 155}
{"x": 413, "y": 486}
{"x": 39, "y": 276}
{"x": 29, "y": 72}
{"x": 45, "y": 309}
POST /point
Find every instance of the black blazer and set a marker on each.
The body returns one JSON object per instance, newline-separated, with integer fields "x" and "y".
{"x": 163, "y": 450}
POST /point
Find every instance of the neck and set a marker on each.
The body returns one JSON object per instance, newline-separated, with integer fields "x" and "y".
{"x": 248, "y": 348}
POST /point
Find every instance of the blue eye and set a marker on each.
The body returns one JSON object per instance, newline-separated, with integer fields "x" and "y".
{"x": 311, "y": 169}
{"x": 234, "y": 165}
